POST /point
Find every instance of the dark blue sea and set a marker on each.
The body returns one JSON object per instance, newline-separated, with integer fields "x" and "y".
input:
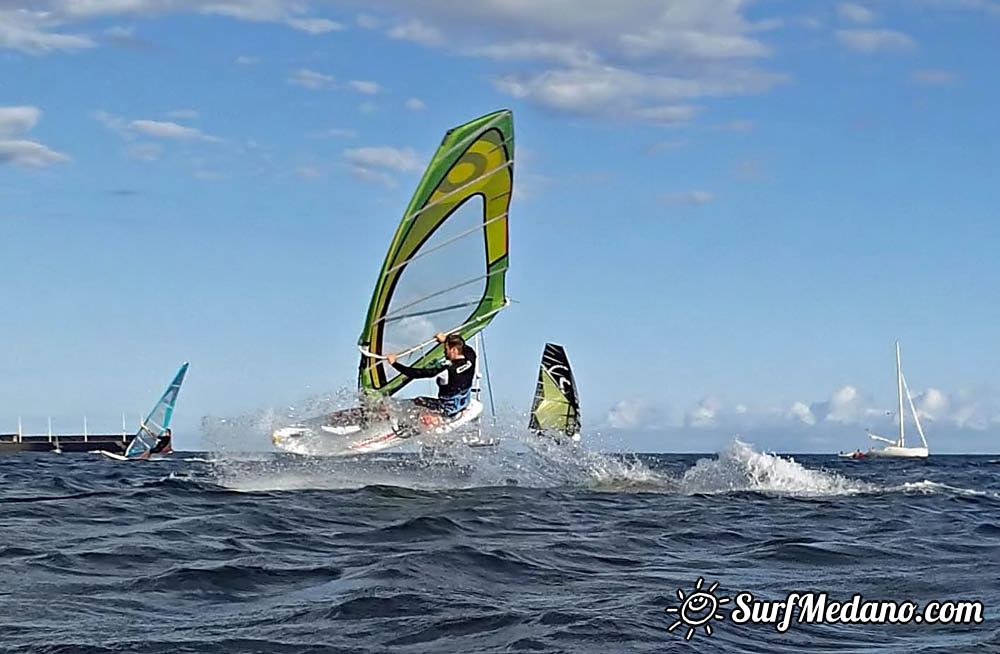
{"x": 486, "y": 551}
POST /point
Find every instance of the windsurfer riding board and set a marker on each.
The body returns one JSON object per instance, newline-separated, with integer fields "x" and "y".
{"x": 455, "y": 376}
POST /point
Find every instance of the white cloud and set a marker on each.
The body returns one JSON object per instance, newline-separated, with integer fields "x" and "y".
{"x": 160, "y": 129}
{"x": 689, "y": 198}
{"x": 846, "y": 405}
{"x": 416, "y": 31}
{"x": 374, "y": 176}
{"x": 315, "y": 25}
{"x": 33, "y": 32}
{"x": 376, "y": 163}
{"x": 340, "y": 132}
{"x": 829, "y": 425}
{"x": 120, "y": 33}
{"x": 169, "y": 130}
{"x": 368, "y": 22}
{"x": 144, "y": 151}
{"x": 308, "y": 172}
{"x": 415, "y": 104}
{"x": 933, "y": 77}
{"x": 932, "y": 404}
{"x": 667, "y": 114}
{"x": 245, "y": 60}
{"x": 561, "y": 53}
{"x": 692, "y": 43}
{"x": 620, "y": 93}
{"x": 365, "y": 87}
{"x": 952, "y": 421}
{"x": 705, "y": 414}
{"x": 855, "y": 13}
{"x": 868, "y": 41}
{"x": 310, "y": 79}
{"x": 582, "y": 56}
{"x": 633, "y": 414}
{"x": 988, "y": 6}
{"x": 966, "y": 409}
{"x": 399, "y": 159}
{"x": 591, "y": 57}
{"x": 15, "y": 122}
{"x": 801, "y": 412}
{"x": 112, "y": 122}
{"x": 29, "y": 154}
{"x": 37, "y": 29}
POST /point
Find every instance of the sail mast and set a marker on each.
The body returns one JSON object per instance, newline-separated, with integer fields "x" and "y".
{"x": 899, "y": 393}
{"x": 477, "y": 382}
{"x": 486, "y": 366}
{"x": 916, "y": 418}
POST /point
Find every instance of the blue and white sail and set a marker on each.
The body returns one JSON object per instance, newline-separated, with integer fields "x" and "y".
{"x": 158, "y": 420}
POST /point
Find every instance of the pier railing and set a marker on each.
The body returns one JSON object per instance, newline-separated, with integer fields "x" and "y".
{"x": 84, "y": 437}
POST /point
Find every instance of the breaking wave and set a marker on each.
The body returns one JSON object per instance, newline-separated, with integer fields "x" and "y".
{"x": 740, "y": 468}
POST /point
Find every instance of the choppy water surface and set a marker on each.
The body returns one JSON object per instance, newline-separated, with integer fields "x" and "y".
{"x": 494, "y": 552}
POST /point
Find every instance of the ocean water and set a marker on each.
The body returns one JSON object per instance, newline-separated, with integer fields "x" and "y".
{"x": 495, "y": 551}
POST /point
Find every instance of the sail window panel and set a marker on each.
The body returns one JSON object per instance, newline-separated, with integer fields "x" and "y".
{"x": 438, "y": 291}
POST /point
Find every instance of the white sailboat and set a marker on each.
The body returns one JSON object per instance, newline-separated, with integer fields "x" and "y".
{"x": 897, "y": 448}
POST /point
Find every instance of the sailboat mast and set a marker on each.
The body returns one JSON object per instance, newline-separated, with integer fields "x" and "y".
{"x": 899, "y": 385}
{"x": 486, "y": 365}
{"x": 477, "y": 384}
{"x": 913, "y": 409}
{"x": 477, "y": 375}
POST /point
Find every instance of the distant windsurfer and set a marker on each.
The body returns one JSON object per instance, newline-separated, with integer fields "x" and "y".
{"x": 455, "y": 377}
{"x": 163, "y": 444}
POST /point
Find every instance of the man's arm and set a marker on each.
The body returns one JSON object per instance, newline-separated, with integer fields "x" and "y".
{"x": 418, "y": 373}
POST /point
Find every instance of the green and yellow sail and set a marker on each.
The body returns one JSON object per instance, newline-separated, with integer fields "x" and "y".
{"x": 556, "y": 406}
{"x": 445, "y": 268}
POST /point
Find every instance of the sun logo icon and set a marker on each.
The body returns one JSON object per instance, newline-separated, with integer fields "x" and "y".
{"x": 697, "y": 609}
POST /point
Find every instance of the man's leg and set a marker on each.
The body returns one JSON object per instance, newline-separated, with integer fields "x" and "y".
{"x": 412, "y": 410}
{"x": 353, "y": 416}
{"x": 429, "y": 411}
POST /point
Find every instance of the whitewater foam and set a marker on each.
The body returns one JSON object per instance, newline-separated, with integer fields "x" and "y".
{"x": 740, "y": 468}
{"x": 521, "y": 459}
{"x": 928, "y": 487}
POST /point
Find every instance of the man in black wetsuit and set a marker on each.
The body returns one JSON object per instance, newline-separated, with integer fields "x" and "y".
{"x": 162, "y": 445}
{"x": 454, "y": 376}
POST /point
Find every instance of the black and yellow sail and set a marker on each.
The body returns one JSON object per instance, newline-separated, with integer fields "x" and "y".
{"x": 446, "y": 266}
{"x": 556, "y": 407}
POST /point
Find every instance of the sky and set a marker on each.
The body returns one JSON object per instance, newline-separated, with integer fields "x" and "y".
{"x": 725, "y": 210}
